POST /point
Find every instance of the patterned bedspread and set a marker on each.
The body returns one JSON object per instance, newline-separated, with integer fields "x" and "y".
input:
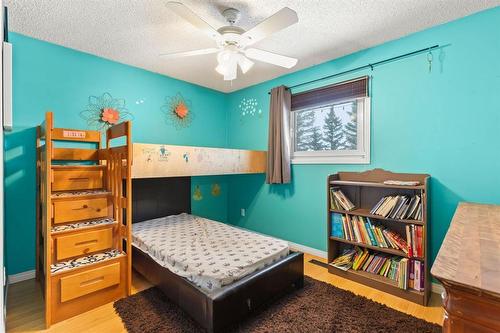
{"x": 210, "y": 254}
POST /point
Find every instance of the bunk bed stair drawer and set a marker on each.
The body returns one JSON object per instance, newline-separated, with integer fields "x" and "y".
{"x": 66, "y": 180}
{"x": 84, "y": 209}
{"x": 83, "y": 243}
{"x": 77, "y": 285}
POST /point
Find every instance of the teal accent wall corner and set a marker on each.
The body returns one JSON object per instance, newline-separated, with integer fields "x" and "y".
{"x": 50, "y": 77}
{"x": 445, "y": 123}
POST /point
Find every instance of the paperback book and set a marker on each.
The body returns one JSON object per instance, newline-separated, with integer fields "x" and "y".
{"x": 402, "y": 207}
{"x": 339, "y": 201}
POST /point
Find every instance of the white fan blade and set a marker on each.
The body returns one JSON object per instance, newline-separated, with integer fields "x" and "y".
{"x": 189, "y": 53}
{"x": 193, "y": 18}
{"x": 271, "y": 58}
{"x": 279, "y": 21}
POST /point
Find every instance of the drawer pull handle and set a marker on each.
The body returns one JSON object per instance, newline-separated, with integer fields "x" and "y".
{"x": 92, "y": 281}
{"x": 92, "y": 241}
{"x": 79, "y": 178}
{"x": 83, "y": 207}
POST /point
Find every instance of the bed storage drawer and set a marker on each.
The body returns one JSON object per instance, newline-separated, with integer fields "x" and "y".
{"x": 83, "y": 243}
{"x": 87, "y": 287}
{"x": 80, "y": 284}
{"x": 66, "y": 180}
{"x": 75, "y": 210}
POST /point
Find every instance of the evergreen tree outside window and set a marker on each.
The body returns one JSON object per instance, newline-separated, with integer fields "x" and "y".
{"x": 337, "y": 131}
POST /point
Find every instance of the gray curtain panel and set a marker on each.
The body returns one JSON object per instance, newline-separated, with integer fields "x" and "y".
{"x": 278, "y": 150}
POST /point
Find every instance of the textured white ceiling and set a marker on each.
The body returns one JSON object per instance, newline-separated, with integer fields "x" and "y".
{"x": 134, "y": 32}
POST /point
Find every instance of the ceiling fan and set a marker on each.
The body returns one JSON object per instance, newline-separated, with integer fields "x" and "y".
{"x": 232, "y": 41}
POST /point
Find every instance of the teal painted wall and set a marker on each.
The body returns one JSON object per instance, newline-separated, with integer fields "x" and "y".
{"x": 445, "y": 123}
{"x": 50, "y": 77}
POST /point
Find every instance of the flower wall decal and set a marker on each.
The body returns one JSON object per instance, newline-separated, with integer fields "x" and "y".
{"x": 197, "y": 195}
{"x": 178, "y": 111}
{"x": 215, "y": 191}
{"x": 104, "y": 111}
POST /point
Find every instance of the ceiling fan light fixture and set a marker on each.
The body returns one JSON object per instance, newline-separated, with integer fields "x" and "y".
{"x": 228, "y": 64}
{"x": 244, "y": 63}
{"x": 232, "y": 41}
{"x": 221, "y": 69}
{"x": 231, "y": 71}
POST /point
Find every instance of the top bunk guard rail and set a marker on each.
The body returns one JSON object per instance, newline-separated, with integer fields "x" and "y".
{"x": 161, "y": 160}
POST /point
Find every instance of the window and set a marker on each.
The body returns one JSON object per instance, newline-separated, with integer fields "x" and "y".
{"x": 326, "y": 129}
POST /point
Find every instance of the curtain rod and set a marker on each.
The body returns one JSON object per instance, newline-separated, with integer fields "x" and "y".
{"x": 371, "y": 66}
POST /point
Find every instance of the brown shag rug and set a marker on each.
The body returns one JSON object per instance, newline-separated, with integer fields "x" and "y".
{"x": 318, "y": 307}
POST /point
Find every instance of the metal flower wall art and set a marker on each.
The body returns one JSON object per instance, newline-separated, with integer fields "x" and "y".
{"x": 178, "y": 111}
{"x": 105, "y": 111}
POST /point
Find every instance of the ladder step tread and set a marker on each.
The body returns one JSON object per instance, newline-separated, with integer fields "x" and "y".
{"x": 58, "y": 229}
{"x": 79, "y": 193}
{"x": 91, "y": 259}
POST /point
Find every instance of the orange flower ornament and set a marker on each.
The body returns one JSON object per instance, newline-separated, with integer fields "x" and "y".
{"x": 181, "y": 110}
{"x": 110, "y": 115}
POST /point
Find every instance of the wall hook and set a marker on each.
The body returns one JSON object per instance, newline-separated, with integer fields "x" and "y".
{"x": 430, "y": 57}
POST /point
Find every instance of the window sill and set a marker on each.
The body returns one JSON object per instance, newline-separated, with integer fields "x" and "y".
{"x": 359, "y": 159}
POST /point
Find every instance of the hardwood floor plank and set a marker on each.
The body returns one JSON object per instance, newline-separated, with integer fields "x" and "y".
{"x": 25, "y": 305}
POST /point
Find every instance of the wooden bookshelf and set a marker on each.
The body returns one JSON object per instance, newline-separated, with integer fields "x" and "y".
{"x": 365, "y": 189}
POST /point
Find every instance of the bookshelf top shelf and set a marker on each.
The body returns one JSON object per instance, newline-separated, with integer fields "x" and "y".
{"x": 377, "y": 177}
{"x": 374, "y": 184}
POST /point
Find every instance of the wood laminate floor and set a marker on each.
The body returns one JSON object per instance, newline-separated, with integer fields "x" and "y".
{"x": 25, "y": 305}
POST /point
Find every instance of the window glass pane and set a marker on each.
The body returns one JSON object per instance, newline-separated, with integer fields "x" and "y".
{"x": 332, "y": 127}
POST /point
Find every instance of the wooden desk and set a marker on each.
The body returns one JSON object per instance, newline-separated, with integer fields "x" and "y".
{"x": 468, "y": 266}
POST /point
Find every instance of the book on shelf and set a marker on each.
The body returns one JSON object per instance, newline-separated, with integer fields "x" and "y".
{"x": 361, "y": 230}
{"x": 344, "y": 261}
{"x": 419, "y": 275}
{"x": 337, "y": 227}
{"x": 407, "y": 273}
{"x": 415, "y": 239}
{"x": 339, "y": 201}
{"x": 402, "y": 182}
{"x": 403, "y": 207}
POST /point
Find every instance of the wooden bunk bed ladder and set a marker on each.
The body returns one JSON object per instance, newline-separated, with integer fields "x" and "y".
{"x": 83, "y": 219}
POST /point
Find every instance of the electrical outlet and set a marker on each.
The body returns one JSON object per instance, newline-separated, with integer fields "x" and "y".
{"x": 243, "y": 212}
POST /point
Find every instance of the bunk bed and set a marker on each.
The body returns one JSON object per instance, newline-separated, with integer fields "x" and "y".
{"x": 96, "y": 208}
{"x": 161, "y": 195}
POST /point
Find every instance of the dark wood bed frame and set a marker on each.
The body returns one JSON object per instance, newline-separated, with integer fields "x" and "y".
{"x": 153, "y": 198}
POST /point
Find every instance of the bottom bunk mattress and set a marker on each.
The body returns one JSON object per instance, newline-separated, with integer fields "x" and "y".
{"x": 207, "y": 253}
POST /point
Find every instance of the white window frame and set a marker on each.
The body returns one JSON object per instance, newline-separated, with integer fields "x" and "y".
{"x": 359, "y": 156}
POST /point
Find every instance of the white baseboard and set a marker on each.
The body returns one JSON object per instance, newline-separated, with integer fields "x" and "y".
{"x": 307, "y": 249}
{"x": 437, "y": 288}
{"x": 23, "y": 276}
